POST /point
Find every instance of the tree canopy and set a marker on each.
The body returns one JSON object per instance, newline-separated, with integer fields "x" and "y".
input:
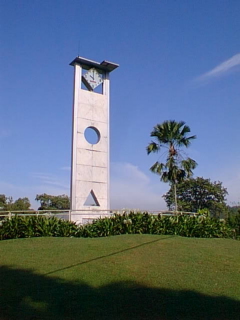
{"x": 47, "y": 202}
{"x": 7, "y": 203}
{"x": 172, "y": 136}
{"x": 199, "y": 193}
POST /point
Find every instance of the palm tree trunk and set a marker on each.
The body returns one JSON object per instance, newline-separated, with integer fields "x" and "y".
{"x": 175, "y": 196}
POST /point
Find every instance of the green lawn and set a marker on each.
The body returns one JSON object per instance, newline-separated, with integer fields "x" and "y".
{"x": 121, "y": 277}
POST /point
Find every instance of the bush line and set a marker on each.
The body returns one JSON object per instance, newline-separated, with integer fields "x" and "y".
{"x": 200, "y": 226}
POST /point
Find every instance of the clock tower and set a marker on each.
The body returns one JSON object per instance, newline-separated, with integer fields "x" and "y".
{"x": 90, "y": 140}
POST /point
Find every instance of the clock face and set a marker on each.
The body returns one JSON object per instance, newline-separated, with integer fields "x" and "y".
{"x": 93, "y": 78}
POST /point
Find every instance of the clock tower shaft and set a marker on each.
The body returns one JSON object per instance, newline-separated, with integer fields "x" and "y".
{"x": 90, "y": 155}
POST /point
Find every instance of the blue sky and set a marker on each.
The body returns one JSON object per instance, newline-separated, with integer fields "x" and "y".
{"x": 178, "y": 60}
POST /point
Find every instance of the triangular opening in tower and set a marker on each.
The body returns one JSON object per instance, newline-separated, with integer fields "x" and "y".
{"x": 91, "y": 200}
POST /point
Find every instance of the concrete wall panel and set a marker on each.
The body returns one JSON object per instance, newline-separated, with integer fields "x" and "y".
{"x": 100, "y": 159}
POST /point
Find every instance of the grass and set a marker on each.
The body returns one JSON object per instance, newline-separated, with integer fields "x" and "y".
{"x": 121, "y": 277}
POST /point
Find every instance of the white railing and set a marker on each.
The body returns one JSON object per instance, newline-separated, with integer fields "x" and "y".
{"x": 88, "y": 214}
{"x": 25, "y": 213}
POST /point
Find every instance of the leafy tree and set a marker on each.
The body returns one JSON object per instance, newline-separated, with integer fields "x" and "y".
{"x": 7, "y": 203}
{"x": 172, "y": 135}
{"x": 21, "y": 204}
{"x": 47, "y": 202}
{"x": 3, "y": 202}
{"x": 199, "y": 193}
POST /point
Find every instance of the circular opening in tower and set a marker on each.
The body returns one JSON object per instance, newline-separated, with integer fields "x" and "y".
{"x": 92, "y": 135}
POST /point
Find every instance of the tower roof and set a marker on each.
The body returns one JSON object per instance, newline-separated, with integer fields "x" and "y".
{"x": 87, "y": 64}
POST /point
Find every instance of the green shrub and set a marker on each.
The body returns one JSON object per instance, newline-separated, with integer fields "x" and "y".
{"x": 36, "y": 226}
{"x": 233, "y": 221}
{"x": 201, "y": 226}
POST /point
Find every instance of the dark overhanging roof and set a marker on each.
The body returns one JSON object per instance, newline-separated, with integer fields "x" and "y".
{"x": 87, "y": 64}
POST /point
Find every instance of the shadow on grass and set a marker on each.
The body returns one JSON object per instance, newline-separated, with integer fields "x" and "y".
{"x": 108, "y": 255}
{"x": 27, "y": 295}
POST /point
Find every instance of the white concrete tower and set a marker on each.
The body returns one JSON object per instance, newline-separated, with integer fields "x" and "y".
{"x": 90, "y": 139}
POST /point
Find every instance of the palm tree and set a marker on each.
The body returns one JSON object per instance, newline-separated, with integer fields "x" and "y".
{"x": 172, "y": 135}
